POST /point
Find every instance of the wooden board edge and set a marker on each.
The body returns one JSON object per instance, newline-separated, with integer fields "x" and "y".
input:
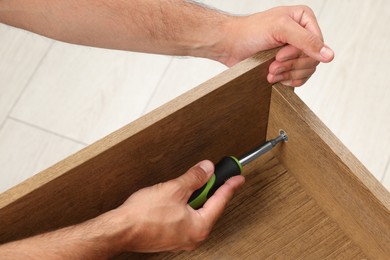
{"x": 334, "y": 177}
{"x": 91, "y": 151}
{"x": 364, "y": 177}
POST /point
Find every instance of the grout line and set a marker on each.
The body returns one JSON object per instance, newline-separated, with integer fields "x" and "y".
{"x": 27, "y": 83}
{"x": 3, "y": 123}
{"x": 157, "y": 87}
{"x": 46, "y": 130}
{"x": 386, "y": 169}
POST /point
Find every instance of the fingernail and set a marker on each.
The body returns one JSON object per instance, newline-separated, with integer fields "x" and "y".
{"x": 326, "y": 52}
{"x": 207, "y": 166}
{"x": 287, "y": 83}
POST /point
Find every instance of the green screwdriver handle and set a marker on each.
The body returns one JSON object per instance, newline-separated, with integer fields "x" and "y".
{"x": 224, "y": 169}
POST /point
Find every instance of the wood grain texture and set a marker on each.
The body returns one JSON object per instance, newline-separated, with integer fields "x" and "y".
{"x": 351, "y": 95}
{"x": 309, "y": 198}
{"x": 206, "y": 122}
{"x": 339, "y": 183}
{"x": 271, "y": 217}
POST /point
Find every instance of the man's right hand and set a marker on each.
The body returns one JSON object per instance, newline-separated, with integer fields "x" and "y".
{"x": 294, "y": 27}
{"x": 158, "y": 218}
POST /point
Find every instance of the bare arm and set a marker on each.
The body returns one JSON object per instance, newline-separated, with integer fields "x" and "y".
{"x": 154, "y": 26}
{"x": 99, "y": 238}
{"x": 174, "y": 27}
{"x": 179, "y": 27}
{"x": 151, "y": 220}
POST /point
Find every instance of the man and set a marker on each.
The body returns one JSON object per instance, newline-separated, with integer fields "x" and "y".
{"x": 174, "y": 27}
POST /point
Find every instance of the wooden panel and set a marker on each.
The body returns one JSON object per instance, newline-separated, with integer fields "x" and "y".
{"x": 340, "y": 184}
{"x": 271, "y": 217}
{"x": 226, "y": 115}
{"x": 344, "y": 94}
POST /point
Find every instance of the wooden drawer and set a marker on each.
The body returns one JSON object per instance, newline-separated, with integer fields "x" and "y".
{"x": 308, "y": 198}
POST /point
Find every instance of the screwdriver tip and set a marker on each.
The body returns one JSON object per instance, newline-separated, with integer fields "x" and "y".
{"x": 283, "y": 134}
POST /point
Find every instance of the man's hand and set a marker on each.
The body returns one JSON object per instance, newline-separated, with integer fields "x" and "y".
{"x": 159, "y": 218}
{"x": 295, "y": 27}
{"x": 179, "y": 27}
{"x": 153, "y": 219}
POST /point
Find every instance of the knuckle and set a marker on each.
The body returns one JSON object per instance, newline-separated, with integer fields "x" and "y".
{"x": 198, "y": 176}
{"x": 312, "y": 38}
{"x": 306, "y": 8}
{"x": 203, "y": 235}
{"x": 177, "y": 189}
{"x": 288, "y": 75}
{"x": 313, "y": 41}
{"x": 202, "y": 232}
{"x": 292, "y": 65}
{"x": 191, "y": 247}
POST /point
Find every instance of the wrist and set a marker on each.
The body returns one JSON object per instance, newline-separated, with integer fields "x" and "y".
{"x": 219, "y": 45}
{"x": 118, "y": 231}
{"x": 214, "y": 39}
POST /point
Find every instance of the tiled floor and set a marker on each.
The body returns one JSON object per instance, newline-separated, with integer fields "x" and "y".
{"x": 55, "y": 98}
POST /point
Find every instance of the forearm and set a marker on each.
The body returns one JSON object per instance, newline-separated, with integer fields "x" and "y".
{"x": 99, "y": 238}
{"x": 175, "y": 27}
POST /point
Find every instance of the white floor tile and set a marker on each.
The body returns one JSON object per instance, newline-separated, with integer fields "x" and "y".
{"x": 20, "y": 54}
{"x": 86, "y": 93}
{"x": 182, "y": 75}
{"x": 250, "y": 6}
{"x": 25, "y": 150}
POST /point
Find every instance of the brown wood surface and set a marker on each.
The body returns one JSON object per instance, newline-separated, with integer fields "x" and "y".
{"x": 309, "y": 198}
{"x": 226, "y": 115}
{"x": 271, "y": 217}
{"x": 329, "y": 173}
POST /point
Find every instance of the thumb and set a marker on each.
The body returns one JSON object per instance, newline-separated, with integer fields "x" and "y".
{"x": 197, "y": 176}
{"x": 307, "y": 41}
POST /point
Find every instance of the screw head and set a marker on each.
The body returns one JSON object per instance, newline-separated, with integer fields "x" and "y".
{"x": 283, "y": 134}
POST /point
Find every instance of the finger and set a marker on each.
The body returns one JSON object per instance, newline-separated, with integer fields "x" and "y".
{"x": 291, "y": 75}
{"x": 278, "y": 67}
{"x": 307, "y": 20}
{"x": 310, "y": 43}
{"x": 295, "y": 82}
{"x": 214, "y": 206}
{"x": 297, "y": 74}
{"x": 288, "y": 52}
{"x": 196, "y": 177}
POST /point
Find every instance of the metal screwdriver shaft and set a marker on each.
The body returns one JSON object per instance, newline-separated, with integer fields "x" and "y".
{"x": 247, "y": 158}
{"x": 228, "y": 167}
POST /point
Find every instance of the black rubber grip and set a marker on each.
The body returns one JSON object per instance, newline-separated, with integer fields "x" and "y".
{"x": 224, "y": 169}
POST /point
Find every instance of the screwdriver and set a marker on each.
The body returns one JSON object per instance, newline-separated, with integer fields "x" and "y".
{"x": 228, "y": 167}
